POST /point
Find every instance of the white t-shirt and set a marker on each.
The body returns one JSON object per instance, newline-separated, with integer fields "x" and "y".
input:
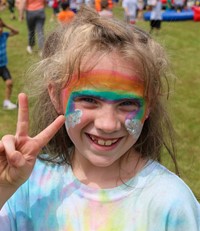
{"x": 53, "y": 199}
{"x": 131, "y": 6}
{"x": 156, "y": 13}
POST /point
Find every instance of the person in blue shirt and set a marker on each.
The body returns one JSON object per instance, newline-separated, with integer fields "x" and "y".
{"x": 4, "y": 71}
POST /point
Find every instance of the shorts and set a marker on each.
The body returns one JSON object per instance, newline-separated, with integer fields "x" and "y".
{"x": 156, "y": 24}
{"x": 5, "y": 73}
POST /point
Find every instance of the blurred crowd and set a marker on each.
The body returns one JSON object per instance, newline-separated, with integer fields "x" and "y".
{"x": 133, "y": 9}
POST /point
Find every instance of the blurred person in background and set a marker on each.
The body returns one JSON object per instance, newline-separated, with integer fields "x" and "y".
{"x": 130, "y": 10}
{"x": 140, "y": 8}
{"x": 11, "y": 7}
{"x": 4, "y": 71}
{"x": 105, "y": 11}
{"x": 35, "y": 19}
{"x": 55, "y": 5}
{"x": 155, "y": 6}
{"x": 65, "y": 15}
{"x": 97, "y": 5}
{"x": 179, "y": 5}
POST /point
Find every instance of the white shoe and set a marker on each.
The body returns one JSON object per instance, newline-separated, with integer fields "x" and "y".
{"x": 29, "y": 49}
{"x": 8, "y": 105}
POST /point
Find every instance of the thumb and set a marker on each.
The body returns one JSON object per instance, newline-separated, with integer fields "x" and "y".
{"x": 16, "y": 159}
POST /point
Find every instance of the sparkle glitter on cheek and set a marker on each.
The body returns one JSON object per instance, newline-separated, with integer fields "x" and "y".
{"x": 134, "y": 127}
{"x": 73, "y": 119}
{"x": 73, "y": 115}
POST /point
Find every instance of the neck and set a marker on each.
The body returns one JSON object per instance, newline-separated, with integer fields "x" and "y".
{"x": 110, "y": 176}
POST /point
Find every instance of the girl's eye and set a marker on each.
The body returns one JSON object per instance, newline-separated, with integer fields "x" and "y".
{"x": 129, "y": 105}
{"x": 87, "y": 99}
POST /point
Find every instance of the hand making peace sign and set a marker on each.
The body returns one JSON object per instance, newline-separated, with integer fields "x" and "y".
{"x": 18, "y": 152}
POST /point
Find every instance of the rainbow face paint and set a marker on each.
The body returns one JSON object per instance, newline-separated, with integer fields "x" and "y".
{"x": 110, "y": 87}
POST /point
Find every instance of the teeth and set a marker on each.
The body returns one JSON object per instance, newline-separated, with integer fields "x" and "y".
{"x": 92, "y": 138}
{"x": 101, "y": 142}
{"x": 108, "y": 142}
{"x": 105, "y": 142}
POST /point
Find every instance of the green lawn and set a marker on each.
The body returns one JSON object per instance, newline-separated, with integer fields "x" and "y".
{"x": 182, "y": 42}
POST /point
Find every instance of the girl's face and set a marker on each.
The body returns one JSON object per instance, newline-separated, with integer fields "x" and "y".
{"x": 105, "y": 111}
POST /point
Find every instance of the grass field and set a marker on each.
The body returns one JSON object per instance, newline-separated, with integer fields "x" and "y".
{"x": 182, "y": 42}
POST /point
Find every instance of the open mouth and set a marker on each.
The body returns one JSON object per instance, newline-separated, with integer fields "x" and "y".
{"x": 103, "y": 142}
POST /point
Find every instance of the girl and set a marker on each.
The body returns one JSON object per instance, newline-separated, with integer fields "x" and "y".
{"x": 98, "y": 169}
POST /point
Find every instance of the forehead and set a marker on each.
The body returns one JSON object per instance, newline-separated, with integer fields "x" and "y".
{"x": 109, "y": 80}
{"x": 113, "y": 62}
{"x": 110, "y": 72}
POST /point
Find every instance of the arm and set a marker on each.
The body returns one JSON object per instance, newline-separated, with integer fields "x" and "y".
{"x": 12, "y": 30}
{"x": 124, "y": 5}
{"x": 126, "y": 10}
{"x": 18, "y": 152}
{"x": 45, "y": 3}
{"x": 22, "y": 8}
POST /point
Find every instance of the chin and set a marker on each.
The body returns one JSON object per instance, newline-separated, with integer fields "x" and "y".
{"x": 102, "y": 161}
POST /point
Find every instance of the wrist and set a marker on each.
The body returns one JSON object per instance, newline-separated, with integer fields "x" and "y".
{"x": 6, "y": 193}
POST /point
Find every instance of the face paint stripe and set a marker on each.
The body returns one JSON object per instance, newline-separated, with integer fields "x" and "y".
{"x": 107, "y": 95}
{"x": 107, "y": 80}
{"x": 109, "y": 86}
{"x": 113, "y": 74}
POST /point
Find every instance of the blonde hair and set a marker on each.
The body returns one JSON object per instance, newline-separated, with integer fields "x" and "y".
{"x": 63, "y": 55}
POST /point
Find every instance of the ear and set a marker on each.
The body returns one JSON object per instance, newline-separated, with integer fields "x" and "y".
{"x": 147, "y": 113}
{"x": 55, "y": 99}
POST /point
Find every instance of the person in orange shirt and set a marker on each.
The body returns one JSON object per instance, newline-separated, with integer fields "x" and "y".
{"x": 66, "y": 15}
{"x": 98, "y": 5}
{"x": 105, "y": 11}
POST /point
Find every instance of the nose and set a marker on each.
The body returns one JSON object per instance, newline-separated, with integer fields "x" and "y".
{"x": 107, "y": 119}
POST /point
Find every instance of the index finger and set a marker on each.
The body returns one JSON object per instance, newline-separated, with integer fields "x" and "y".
{"x": 23, "y": 116}
{"x": 47, "y": 134}
{"x": 1, "y": 147}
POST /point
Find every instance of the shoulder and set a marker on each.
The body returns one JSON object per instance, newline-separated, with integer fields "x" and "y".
{"x": 169, "y": 191}
{"x": 169, "y": 183}
{"x": 167, "y": 195}
{"x": 71, "y": 12}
